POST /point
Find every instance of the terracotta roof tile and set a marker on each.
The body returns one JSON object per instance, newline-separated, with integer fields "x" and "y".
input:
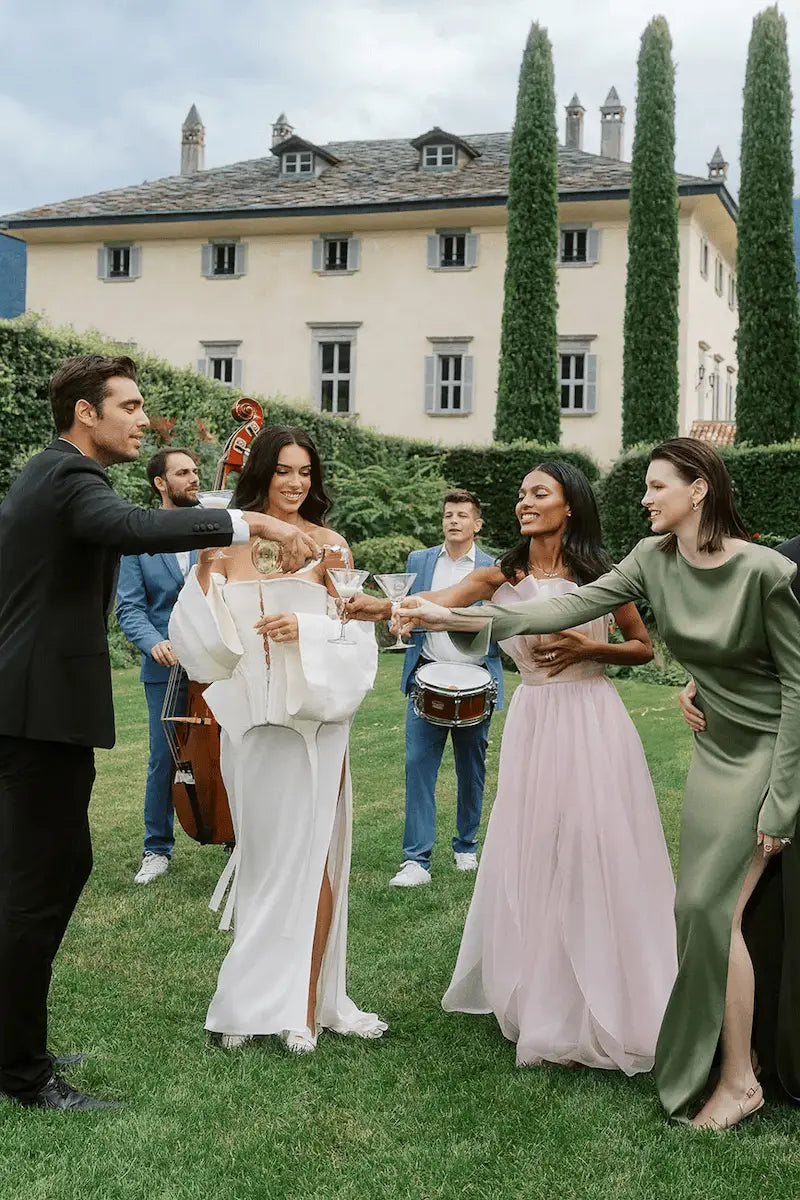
{"x": 719, "y": 433}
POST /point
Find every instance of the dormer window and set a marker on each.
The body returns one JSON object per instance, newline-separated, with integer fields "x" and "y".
{"x": 297, "y": 162}
{"x": 440, "y": 156}
{"x": 442, "y": 151}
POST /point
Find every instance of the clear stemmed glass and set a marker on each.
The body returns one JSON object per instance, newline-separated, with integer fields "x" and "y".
{"x": 347, "y": 583}
{"x": 395, "y": 587}
{"x": 216, "y": 499}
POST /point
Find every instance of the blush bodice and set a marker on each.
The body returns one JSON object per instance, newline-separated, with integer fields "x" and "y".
{"x": 521, "y": 648}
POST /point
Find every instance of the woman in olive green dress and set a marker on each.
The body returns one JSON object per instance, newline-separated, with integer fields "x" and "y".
{"x": 725, "y": 608}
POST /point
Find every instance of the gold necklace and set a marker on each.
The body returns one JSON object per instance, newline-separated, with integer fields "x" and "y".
{"x": 557, "y": 574}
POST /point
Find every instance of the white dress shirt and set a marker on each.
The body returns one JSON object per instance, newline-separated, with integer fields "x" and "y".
{"x": 447, "y": 572}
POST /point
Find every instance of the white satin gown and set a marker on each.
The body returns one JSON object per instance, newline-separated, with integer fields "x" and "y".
{"x": 284, "y": 757}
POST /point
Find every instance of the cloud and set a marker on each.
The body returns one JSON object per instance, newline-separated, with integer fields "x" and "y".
{"x": 95, "y": 93}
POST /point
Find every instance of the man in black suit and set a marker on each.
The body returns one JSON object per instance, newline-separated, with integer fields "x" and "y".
{"x": 62, "y": 530}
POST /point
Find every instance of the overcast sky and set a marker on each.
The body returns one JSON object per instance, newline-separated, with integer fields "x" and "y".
{"x": 93, "y": 92}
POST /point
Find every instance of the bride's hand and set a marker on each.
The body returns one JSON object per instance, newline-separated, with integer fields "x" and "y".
{"x": 415, "y": 613}
{"x": 769, "y": 845}
{"x": 280, "y": 627}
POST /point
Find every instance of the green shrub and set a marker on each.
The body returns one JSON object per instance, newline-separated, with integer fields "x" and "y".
{"x": 189, "y": 410}
{"x": 121, "y": 652}
{"x": 380, "y": 500}
{"x": 382, "y": 555}
{"x": 764, "y": 480}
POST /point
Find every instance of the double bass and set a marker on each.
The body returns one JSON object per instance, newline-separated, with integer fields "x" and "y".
{"x": 193, "y": 735}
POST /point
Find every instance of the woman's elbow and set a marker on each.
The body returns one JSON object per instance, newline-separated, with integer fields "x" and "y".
{"x": 643, "y": 653}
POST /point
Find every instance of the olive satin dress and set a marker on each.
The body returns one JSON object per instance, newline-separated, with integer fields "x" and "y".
{"x": 736, "y": 629}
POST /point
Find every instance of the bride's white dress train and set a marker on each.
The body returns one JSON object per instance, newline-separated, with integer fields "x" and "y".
{"x": 284, "y": 758}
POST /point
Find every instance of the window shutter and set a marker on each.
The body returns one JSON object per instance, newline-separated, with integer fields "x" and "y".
{"x": 237, "y": 372}
{"x": 136, "y": 262}
{"x": 207, "y": 260}
{"x": 434, "y": 259}
{"x": 592, "y": 245}
{"x": 102, "y": 263}
{"x": 202, "y": 366}
{"x": 317, "y": 255}
{"x": 591, "y": 383}
{"x": 353, "y": 254}
{"x": 240, "y": 259}
{"x": 430, "y": 383}
{"x": 471, "y": 250}
{"x": 468, "y": 363}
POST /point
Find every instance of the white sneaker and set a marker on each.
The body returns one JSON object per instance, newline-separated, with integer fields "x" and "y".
{"x": 466, "y": 862}
{"x": 299, "y": 1041}
{"x": 411, "y": 874}
{"x": 232, "y": 1041}
{"x": 152, "y": 866}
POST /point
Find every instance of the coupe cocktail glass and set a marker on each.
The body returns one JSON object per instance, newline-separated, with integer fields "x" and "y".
{"x": 395, "y": 587}
{"x": 216, "y": 499}
{"x": 347, "y": 583}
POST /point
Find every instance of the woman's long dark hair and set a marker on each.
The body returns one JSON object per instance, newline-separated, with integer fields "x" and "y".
{"x": 582, "y": 543}
{"x": 719, "y": 517}
{"x": 252, "y": 488}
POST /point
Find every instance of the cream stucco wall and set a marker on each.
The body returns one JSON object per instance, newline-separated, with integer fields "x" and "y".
{"x": 397, "y": 303}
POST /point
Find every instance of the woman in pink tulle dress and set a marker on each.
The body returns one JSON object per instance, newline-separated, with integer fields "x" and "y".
{"x": 570, "y": 937}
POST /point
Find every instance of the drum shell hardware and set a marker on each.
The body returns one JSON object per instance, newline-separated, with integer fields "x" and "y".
{"x": 453, "y": 695}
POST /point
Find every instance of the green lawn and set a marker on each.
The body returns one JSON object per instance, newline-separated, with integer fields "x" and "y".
{"x": 435, "y": 1109}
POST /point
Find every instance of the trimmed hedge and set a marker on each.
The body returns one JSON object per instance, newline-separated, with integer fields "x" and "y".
{"x": 187, "y": 409}
{"x": 764, "y": 480}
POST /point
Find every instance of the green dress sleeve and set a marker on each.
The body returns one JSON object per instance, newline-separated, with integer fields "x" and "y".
{"x": 619, "y": 585}
{"x": 782, "y": 624}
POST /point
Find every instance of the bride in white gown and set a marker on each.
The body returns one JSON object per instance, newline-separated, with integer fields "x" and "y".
{"x": 284, "y": 695}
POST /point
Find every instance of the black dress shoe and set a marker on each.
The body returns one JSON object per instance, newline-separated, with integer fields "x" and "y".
{"x": 67, "y": 1060}
{"x": 57, "y": 1093}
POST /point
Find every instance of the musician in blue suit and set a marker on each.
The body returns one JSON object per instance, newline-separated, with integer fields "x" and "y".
{"x": 436, "y": 568}
{"x": 147, "y": 589}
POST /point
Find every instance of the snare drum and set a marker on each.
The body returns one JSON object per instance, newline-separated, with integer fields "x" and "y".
{"x": 453, "y": 694}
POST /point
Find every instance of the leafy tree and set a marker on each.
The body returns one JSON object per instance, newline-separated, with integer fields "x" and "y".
{"x": 650, "y": 363}
{"x": 768, "y": 399}
{"x": 527, "y": 393}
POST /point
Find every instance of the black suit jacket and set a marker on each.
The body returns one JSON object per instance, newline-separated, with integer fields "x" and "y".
{"x": 62, "y": 530}
{"x": 791, "y": 549}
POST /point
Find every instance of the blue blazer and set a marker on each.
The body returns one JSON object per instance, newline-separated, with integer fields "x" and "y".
{"x": 147, "y": 589}
{"x": 424, "y": 562}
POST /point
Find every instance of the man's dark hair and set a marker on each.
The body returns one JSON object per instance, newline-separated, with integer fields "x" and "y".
{"x": 158, "y": 463}
{"x": 462, "y": 496}
{"x": 85, "y": 377}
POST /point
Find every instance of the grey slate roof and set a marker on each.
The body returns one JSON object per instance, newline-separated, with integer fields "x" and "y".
{"x": 370, "y": 174}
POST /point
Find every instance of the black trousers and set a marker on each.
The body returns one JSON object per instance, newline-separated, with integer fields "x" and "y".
{"x": 45, "y": 860}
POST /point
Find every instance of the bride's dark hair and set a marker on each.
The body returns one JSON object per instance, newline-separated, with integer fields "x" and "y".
{"x": 585, "y": 556}
{"x": 252, "y": 487}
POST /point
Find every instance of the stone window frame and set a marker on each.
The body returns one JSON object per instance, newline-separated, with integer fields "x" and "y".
{"x": 592, "y": 245}
{"x": 222, "y": 350}
{"x": 104, "y": 262}
{"x": 322, "y": 333}
{"x": 448, "y": 349}
{"x": 319, "y": 256}
{"x": 435, "y": 250}
{"x": 575, "y": 346}
{"x": 207, "y": 263}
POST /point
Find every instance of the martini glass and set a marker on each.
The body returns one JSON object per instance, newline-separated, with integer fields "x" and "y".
{"x": 396, "y": 587}
{"x": 347, "y": 583}
{"x": 216, "y": 499}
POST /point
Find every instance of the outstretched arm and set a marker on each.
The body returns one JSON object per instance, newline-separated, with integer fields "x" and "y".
{"x": 494, "y": 622}
{"x": 480, "y": 584}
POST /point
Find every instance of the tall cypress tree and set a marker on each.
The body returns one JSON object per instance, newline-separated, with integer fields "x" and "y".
{"x": 768, "y": 399}
{"x": 528, "y": 404}
{"x": 650, "y": 363}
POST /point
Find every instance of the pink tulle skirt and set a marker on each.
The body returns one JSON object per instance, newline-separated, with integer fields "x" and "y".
{"x": 570, "y": 937}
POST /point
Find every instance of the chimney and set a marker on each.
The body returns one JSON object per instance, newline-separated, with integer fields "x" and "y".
{"x": 574, "y": 137}
{"x": 718, "y": 168}
{"x": 193, "y": 143}
{"x": 281, "y": 130}
{"x": 612, "y": 126}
